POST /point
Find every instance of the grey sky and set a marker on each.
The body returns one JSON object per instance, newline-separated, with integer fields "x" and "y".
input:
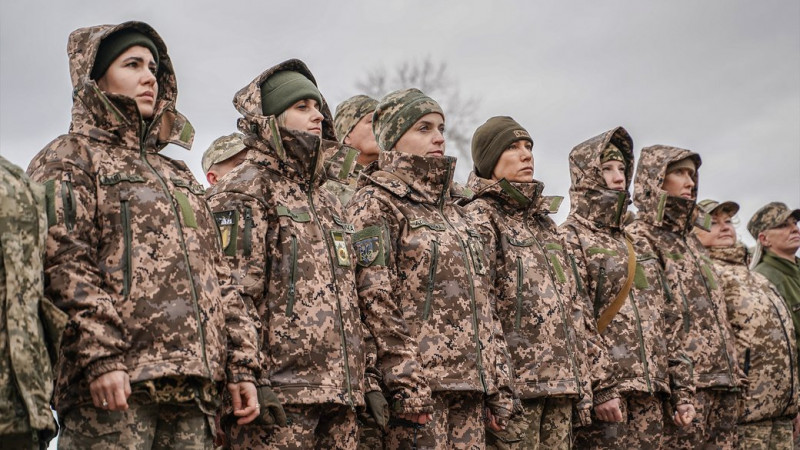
{"x": 720, "y": 77}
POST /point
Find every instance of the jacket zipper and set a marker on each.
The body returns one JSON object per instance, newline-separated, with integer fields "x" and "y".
{"x": 309, "y": 192}
{"x": 176, "y": 217}
{"x": 642, "y": 352}
{"x": 518, "y": 318}
{"x": 292, "y": 277}
{"x": 126, "y": 231}
{"x": 431, "y": 279}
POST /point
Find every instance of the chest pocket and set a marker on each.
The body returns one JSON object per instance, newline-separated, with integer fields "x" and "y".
{"x": 183, "y": 200}
{"x": 640, "y": 277}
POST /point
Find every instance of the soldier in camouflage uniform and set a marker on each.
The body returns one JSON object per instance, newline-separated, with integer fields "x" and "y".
{"x": 424, "y": 278}
{"x": 289, "y": 247}
{"x": 536, "y": 297}
{"x": 222, "y": 156}
{"x": 638, "y": 362}
{"x": 665, "y": 194}
{"x": 30, "y": 326}
{"x": 133, "y": 257}
{"x": 353, "y": 124}
{"x": 764, "y": 336}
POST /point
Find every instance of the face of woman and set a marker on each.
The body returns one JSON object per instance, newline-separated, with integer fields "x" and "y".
{"x": 424, "y": 138}
{"x": 784, "y": 240}
{"x": 133, "y": 74}
{"x": 362, "y": 139}
{"x": 722, "y": 233}
{"x": 679, "y": 183}
{"x": 515, "y": 163}
{"x": 614, "y": 174}
{"x": 304, "y": 116}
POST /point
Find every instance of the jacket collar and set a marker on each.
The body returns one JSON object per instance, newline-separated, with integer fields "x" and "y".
{"x": 423, "y": 179}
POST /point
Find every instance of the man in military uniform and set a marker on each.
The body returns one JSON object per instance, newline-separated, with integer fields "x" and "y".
{"x": 30, "y": 326}
{"x": 222, "y": 156}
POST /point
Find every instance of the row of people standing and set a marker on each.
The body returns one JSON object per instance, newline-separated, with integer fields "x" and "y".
{"x": 402, "y": 304}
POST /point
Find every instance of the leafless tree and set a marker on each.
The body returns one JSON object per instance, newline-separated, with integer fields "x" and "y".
{"x": 433, "y": 79}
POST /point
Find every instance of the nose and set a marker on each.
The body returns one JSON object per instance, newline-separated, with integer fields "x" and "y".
{"x": 689, "y": 181}
{"x": 438, "y": 137}
{"x": 526, "y": 155}
{"x": 317, "y": 117}
{"x": 149, "y": 78}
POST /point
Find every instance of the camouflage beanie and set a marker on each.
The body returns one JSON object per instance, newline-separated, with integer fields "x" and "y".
{"x": 350, "y": 112}
{"x": 115, "y": 44}
{"x": 283, "y": 89}
{"x": 612, "y": 153}
{"x": 397, "y": 112}
{"x": 493, "y": 138}
{"x": 222, "y": 148}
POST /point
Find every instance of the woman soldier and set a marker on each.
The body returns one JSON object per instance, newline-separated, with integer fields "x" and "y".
{"x": 424, "y": 279}
{"x": 133, "y": 257}
{"x": 290, "y": 249}
{"x": 764, "y": 333}
{"x": 633, "y": 332}
{"x": 535, "y": 289}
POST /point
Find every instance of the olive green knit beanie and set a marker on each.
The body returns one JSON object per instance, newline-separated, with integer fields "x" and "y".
{"x": 493, "y": 138}
{"x": 283, "y": 89}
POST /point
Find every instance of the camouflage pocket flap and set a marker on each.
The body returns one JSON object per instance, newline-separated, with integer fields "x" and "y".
{"x": 299, "y": 215}
{"x": 520, "y": 242}
{"x": 348, "y": 227}
{"x": 605, "y": 251}
{"x": 418, "y": 223}
{"x": 553, "y": 246}
{"x": 195, "y": 188}
{"x": 108, "y": 180}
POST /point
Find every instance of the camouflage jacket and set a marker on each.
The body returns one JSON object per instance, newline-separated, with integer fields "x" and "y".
{"x": 289, "y": 247}
{"x": 642, "y": 350}
{"x": 27, "y": 337}
{"x": 133, "y": 254}
{"x": 666, "y": 223}
{"x": 342, "y": 173}
{"x": 764, "y": 336}
{"x": 785, "y": 275}
{"x": 423, "y": 275}
{"x": 534, "y": 288}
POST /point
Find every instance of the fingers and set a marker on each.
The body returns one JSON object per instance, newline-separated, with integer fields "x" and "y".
{"x": 235, "y": 397}
{"x": 110, "y": 391}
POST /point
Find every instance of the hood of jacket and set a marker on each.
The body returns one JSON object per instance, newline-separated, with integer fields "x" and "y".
{"x": 422, "y": 179}
{"x": 290, "y": 152}
{"x": 591, "y": 201}
{"x": 115, "y": 119}
{"x": 658, "y": 208}
{"x": 735, "y": 254}
{"x": 514, "y": 197}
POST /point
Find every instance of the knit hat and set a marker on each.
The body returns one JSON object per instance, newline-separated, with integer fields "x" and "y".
{"x": 285, "y": 88}
{"x": 350, "y": 112}
{"x": 115, "y": 44}
{"x": 712, "y": 206}
{"x": 221, "y": 149}
{"x": 685, "y": 163}
{"x": 770, "y": 216}
{"x": 397, "y": 112}
{"x": 612, "y": 153}
{"x": 493, "y": 138}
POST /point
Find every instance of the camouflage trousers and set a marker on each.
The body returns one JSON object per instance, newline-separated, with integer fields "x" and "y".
{"x": 142, "y": 426}
{"x": 458, "y": 423}
{"x": 546, "y": 424}
{"x": 370, "y": 435}
{"x": 772, "y": 434}
{"x": 326, "y": 426}
{"x": 641, "y": 427}
{"x": 714, "y": 426}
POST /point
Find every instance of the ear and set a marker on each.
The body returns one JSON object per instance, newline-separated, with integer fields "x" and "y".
{"x": 346, "y": 139}
{"x": 211, "y": 177}
{"x": 762, "y": 239}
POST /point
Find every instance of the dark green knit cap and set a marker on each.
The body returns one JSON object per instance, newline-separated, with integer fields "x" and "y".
{"x": 115, "y": 44}
{"x": 283, "y": 89}
{"x": 493, "y": 138}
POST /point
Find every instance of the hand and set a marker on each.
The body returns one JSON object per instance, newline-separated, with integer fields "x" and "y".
{"x": 378, "y": 407}
{"x": 110, "y": 391}
{"x": 272, "y": 412}
{"x": 494, "y": 423}
{"x": 684, "y": 415}
{"x": 421, "y": 419}
{"x": 609, "y": 411}
{"x": 245, "y": 401}
{"x": 796, "y": 422}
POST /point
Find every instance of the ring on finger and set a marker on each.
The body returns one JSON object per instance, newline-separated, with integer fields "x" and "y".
{"x": 105, "y": 403}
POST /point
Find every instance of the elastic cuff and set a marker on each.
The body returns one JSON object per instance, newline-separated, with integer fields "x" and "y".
{"x": 103, "y": 366}
{"x": 238, "y": 375}
{"x": 605, "y": 395}
{"x": 412, "y": 405}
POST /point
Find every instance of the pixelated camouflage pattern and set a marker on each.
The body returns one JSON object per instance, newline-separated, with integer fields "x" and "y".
{"x": 666, "y": 223}
{"x": 397, "y": 112}
{"x": 769, "y": 216}
{"x": 764, "y": 336}
{"x": 714, "y": 426}
{"x": 133, "y": 253}
{"x": 428, "y": 304}
{"x": 290, "y": 251}
{"x": 26, "y": 376}
{"x": 534, "y": 288}
{"x": 642, "y": 426}
{"x": 222, "y": 148}
{"x": 350, "y": 112}
{"x": 544, "y": 424}
{"x": 141, "y": 427}
{"x": 643, "y": 348}
{"x": 767, "y": 435}
{"x": 342, "y": 172}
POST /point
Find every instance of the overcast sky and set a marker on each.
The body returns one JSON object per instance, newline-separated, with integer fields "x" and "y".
{"x": 720, "y": 77}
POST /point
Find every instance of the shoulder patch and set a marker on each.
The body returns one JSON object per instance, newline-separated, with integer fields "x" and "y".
{"x": 227, "y": 224}
{"x": 369, "y": 248}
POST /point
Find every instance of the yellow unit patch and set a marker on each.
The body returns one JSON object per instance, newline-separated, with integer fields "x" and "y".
{"x": 340, "y": 247}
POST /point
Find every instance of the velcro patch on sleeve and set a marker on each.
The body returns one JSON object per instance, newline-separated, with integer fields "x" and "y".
{"x": 369, "y": 248}
{"x": 227, "y": 222}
